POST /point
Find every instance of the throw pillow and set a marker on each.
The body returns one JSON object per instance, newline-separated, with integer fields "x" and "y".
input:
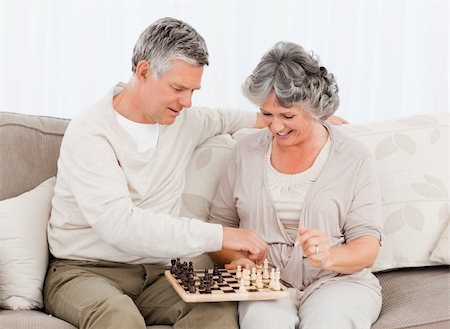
{"x": 24, "y": 248}
{"x": 441, "y": 254}
{"x": 411, "y": 155}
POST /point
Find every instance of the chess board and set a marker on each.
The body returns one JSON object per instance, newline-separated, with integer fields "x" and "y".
{"x": 228, "y": 290}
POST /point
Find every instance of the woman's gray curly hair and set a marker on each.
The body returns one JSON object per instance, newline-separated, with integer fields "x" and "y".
{"x": 295, "y": 77}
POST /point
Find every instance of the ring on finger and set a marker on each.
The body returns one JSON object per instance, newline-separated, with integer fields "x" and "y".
{"x": 317, "y": 250}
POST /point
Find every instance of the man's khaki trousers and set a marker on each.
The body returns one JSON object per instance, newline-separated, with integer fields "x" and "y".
{"x": 108, "y": 295}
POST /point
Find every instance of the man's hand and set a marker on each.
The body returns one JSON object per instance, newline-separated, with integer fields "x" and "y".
{"x": 247, "y": 242}
{"x": 239, "y": 261}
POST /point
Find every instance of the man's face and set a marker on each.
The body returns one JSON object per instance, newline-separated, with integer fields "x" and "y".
{"x": 164, "y": 98}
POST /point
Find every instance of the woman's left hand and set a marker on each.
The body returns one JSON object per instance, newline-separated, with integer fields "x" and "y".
{"x": 315, "y": 246}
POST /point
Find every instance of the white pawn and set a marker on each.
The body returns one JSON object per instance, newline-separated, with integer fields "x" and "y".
{"x": 266, "y": 270}
{"x": 259, "y": 282}
{"x": 246, "y": 277}
{"x": 238, "y": 272}
{"x": 253, "y": 275}
{"x": 272, "y": 278}
{"x": 277, "y": 284}
{"x": 242, "y": 286}
{"x": 259, "y": 269}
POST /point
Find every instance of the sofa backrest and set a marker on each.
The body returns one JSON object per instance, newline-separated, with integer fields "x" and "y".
{"x": 412, "y": 161}
{"x": 411, "y": 153}
{"x": 29, "y": 149}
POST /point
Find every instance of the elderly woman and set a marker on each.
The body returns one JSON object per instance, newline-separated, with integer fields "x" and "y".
{"x": 311, "y": 192}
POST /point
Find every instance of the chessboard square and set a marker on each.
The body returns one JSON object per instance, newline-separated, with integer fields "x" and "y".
{"x": 233, "y": 281}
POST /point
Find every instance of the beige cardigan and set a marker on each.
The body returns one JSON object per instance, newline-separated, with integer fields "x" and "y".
{"x": 345, "y": 202}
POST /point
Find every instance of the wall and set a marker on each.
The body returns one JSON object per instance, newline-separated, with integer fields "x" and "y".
{"x": 390, "y": 57}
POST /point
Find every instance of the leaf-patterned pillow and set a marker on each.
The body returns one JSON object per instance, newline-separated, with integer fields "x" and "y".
{"x": 412, "y": 156}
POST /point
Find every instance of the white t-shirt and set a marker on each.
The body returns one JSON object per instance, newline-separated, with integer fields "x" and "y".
{"x": 145, "y": 135}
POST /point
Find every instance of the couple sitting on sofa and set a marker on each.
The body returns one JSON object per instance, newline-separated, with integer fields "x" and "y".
{"x": 299, "y": 193}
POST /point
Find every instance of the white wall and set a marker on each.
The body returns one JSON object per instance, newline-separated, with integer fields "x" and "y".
{"x": 390, "y": 57}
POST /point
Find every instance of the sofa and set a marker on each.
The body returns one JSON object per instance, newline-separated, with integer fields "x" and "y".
{"x": 412, "y": 157}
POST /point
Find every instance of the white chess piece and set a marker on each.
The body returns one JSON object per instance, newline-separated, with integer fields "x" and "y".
{"x": 259, "y": 269}
{"x": 266, "y": 270}
{"x": 272, "y": 278}
{"x": 253, "y": 275}
{"x": 242, "y": 286}
{"x": 246, "y": 277}
{"x": 238, "y": 272}
{"x": 277, "y": 284}
{"x": 259, "y": 282}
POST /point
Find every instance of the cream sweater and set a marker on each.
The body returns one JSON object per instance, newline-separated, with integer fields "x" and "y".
{"x": 116, "y": 204}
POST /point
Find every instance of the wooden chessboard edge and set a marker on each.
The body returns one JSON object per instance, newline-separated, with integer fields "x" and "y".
{"x": 195, "y": 298}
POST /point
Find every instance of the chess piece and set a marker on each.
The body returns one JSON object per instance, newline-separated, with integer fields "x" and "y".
{"x": 242, "y": 286}
{"x": 238, "y": 272}
{"x": 266, "y": 270}
{"x": 216, "y": 269}
{"x": 259, "y": 281}
{"x": 246, "y": 277}
{"x": 276, "y": 283}
{"x": 253, "y": 275}
{"x": 272, "y": 278}
{"x": 173, "y": 268}
{"x": 259, "y": 269}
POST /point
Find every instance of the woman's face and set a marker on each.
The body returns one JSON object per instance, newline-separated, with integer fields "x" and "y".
{"x": 289, "y": 126}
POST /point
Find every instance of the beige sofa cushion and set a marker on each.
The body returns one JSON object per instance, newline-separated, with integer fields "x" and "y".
{"x": 29, "y": 149}
{"x": 202, "y": 176}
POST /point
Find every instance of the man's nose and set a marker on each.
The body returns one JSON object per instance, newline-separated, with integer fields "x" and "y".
{"x": 186, "y": 100}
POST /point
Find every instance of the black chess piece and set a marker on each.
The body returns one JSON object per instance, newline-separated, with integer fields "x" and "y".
{"x": 216, "y": 269}
{"x": 191, "y": 287}
{"x": 173, "y": 269}
{"x": 220, "y": 278}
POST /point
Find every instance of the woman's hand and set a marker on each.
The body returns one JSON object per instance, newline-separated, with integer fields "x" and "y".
{"x": 316, "y": 247}
{"x": 347, "y": 258}
{"x": 337, "y": 121}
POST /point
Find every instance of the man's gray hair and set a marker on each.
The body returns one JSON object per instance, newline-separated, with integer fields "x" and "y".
{"x": 166, "y": 40}
{"x": 295, "y": 77}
